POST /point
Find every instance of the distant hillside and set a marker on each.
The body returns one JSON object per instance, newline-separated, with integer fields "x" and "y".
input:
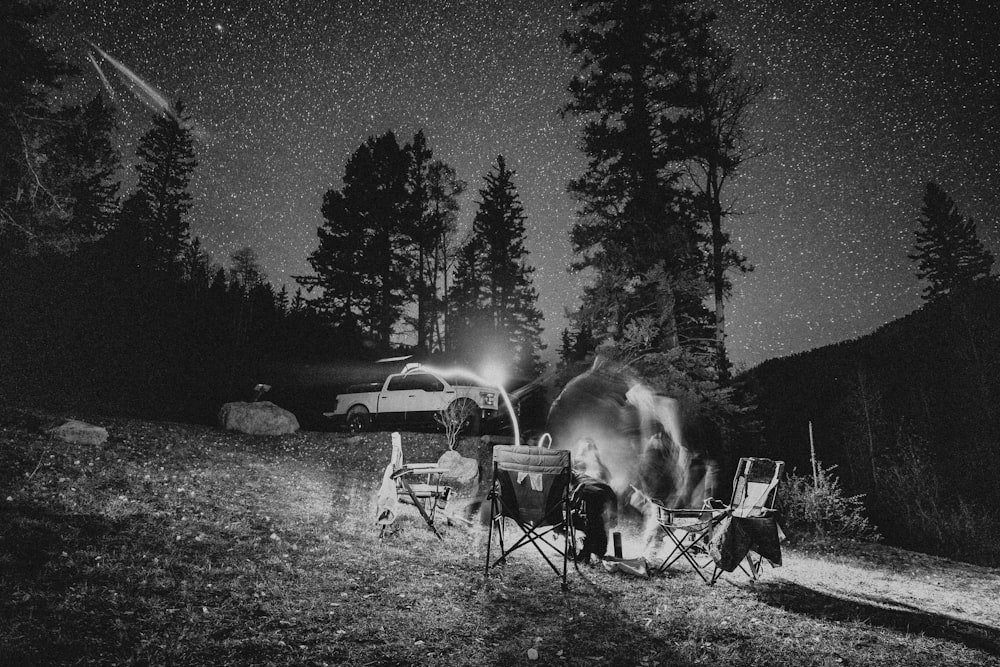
{"x": 916, "y": 399}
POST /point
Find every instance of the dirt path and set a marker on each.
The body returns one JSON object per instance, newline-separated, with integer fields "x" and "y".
{"x": 900, "y": 580}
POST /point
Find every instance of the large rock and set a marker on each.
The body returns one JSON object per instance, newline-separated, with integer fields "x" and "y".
{"x": 260, "y": 418}
{"x": 79, "y": 433}
{"x": 463, "y": 473}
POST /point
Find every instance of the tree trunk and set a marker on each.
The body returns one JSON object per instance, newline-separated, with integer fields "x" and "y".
{"x": 718, "y": 273}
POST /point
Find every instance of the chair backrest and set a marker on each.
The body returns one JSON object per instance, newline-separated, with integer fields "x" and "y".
{"x": 533, "y": 483}
{"x": 396, "y": 460}
{"x": 755, "y": 486}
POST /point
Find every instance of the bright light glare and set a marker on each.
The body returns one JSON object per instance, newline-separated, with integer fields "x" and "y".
{"x": 494, "y": 374}
{"x": 488, "y": 382}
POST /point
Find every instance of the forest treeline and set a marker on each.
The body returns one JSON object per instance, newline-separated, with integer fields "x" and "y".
{"x": 909, "y": 413}
{"x": 85, "y": 262}
{"x": 108, "y": 298}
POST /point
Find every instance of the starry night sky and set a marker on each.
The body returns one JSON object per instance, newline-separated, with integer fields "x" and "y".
{"x": 868, "y": 100}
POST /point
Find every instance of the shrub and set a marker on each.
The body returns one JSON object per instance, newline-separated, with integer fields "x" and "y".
{"x": 817, "y": 507}
{"x": 926, "y": 515}
{"x": 454, "y": 419}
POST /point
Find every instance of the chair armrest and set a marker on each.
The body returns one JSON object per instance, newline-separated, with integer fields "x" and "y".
{"x": 419, "y": 469}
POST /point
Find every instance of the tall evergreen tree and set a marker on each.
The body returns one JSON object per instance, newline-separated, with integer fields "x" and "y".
{"x": 420, "y": 228}
{"x": 433, "y": 202}
{"x": 566, "y": 344}
{"x": 639, "y": 224}
{"x": 363, "y": 262}
{"x": 948, "y": 253}
{"x": 158, "y": 207}
{"x": 444, "y": 189}
{"x": 714, "y": 130}
{"x": 88, "y": 164}
{"x": 493, "y": 295}
{"x": 338, "y": 266}
{"x": 33, "y": 212}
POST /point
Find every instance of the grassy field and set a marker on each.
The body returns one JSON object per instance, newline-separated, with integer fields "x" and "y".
{"x": 185, "y": 545}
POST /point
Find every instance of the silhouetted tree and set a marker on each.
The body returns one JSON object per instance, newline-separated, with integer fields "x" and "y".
{"x": 245, "y": 271}
{"x": 948, "y": 253}
{"x": 434, "y": 191}
{"x": 156, "y": 211}
{"x": 714, "y": 132}
{"x": 85, "y": 164}
{"x": 493, "y": 296}
{"x": 444, "y": 188}
{"x": 363, "y": 262}
{"x": 35, "y": 211}
{"x": 638, "y": 226}
{"x": 565, "y": 346}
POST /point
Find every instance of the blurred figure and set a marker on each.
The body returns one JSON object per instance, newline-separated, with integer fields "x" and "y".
{"x": 640, "y": 438}
{"x": 595, "y": 501}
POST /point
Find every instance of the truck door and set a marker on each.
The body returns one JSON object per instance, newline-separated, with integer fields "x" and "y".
{"x": 394, "y": 399}
{"x": 428, "y": 398}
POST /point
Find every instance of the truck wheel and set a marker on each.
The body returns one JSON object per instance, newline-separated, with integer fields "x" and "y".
{"x": 358, "y": 419}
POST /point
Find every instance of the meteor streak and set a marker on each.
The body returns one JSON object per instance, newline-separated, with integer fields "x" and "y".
{"x": 104, "y": 79}
{"x": 146, "y": 93}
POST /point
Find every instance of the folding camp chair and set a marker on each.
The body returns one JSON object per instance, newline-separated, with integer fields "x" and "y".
{"x": 399, "y": 484}
{"x": 755, "y": 494}
{"x": 532, "y": 487}
{"x": 717, "y": 538}
{"x": 688, "y": 530}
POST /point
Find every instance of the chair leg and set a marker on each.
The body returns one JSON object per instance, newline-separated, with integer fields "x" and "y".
{"x": 682, "y": 548}
{"x": 489, "y": 544}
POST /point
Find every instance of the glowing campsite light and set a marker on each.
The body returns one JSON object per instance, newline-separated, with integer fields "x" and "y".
{"x": 457, "y": 370}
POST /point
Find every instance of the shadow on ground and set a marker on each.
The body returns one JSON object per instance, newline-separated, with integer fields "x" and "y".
{"x": 880, "y": 612}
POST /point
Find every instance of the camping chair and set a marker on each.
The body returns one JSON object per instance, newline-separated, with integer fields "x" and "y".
{"x": 754, "y": 512}
{"x": 532, "y": 487}
{"x": 399, "y": 484}
{"x": 688, "y": 530}
{"x": 716, "y": 539}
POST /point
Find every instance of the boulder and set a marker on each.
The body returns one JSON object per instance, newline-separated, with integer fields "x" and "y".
{"x": 79, "y": 433}
{"x": 259, "y": 418}
{"x": 463, "y": 473}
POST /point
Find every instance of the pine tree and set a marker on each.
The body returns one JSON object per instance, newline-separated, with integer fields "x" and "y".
{"x": 948, "y": 253}
{"x": 639, "y": 224}
{"x": 198, "y": 266}
{"x": 566, "y": 347}
{"x": 433, "y": 202}
{"x": 493, "y": 295}
{"x": 246, "y": 272}
{"x": 88, "y": 165}
{"x": 420, "y": 228}
{"x": 33, "y": 212}
{"x": 363, "y": 262}
{"x": 161, "y": 201}
{"x": 444, "y": 189}
{"x": 714, "y": 130}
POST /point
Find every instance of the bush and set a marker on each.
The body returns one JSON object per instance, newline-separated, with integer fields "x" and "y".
{"x": 817, "y": 507}
{"x": 923, "y": 513}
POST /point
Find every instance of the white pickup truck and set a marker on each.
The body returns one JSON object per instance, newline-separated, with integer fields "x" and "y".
{"x": 413, "y": 398}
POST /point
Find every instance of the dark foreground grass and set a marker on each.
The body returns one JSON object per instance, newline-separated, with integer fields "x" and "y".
{"x": 186, "y": 545}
